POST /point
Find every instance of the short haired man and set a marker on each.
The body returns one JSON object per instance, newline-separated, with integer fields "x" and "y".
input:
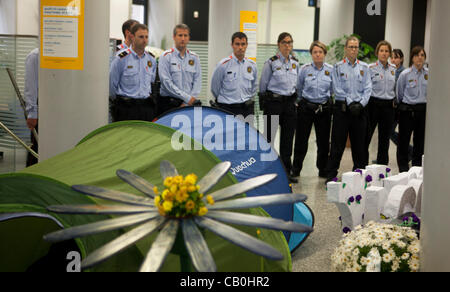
{"x": 233, "y": 82}
{"x": 352, "y": 87}
{"x": 131, "y": 75}
{"x": 31, "y": 98}
{"x": 126, "y": 30}
{"x": 180, "y": 73}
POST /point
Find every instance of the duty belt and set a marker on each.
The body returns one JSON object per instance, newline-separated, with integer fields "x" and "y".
{"x": 420, "y": 107}
{"x": 315, "y": 107}
{"x": 125, "y": 100}
{"x": 390, "y": 103}
{"x": 278, "y": 97}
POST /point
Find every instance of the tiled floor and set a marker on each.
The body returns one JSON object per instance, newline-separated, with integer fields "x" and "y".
{"x": 314, "y": 254}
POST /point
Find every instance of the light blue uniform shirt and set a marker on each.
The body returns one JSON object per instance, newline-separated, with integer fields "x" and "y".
{"x": 32, "y": 83}
{"x": 315, "y": 84}
{"x": 412, "y": 86}
{"x": 234, "y": 81}
{"x": 181, "y": 77}
{"x": 352, "y": 83}
{"x": 279, "y": 75}
{"x": 131, "y": 75}
{"x": 383, "y": 80}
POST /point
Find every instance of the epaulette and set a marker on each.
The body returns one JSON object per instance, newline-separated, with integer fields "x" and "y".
{"x": 226, "y": 60}
{"x": 150, "y": 53}
{"x": 294, "y": 58}
{"x": 251, "y": 61}
{"x": 306, "y": 65}
{"x": 192, "y": 53}
{"x": 328, "y": 65}
{"x": 373, "y": 65}
{"x": 124, "y": 53}
{"x": 168, "y": 52}
{"x": 274, "y": 58}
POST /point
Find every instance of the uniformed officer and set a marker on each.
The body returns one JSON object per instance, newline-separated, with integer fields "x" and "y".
{"x": 412, "y": 97}
{"x": 381, "y": 105}
{"x": 180, "y": 73}
{"x": 31, "y": 98}
{"x": 234, "y": 80}
{"x": 352, "y": 87}
{"x": 131, "y": 75}
{"x": 314, "y": 88}
{"x": 126, "y": 30}
{"x": 277, "y": 91}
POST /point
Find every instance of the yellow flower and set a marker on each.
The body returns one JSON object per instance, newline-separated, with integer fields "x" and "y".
{"x": 164, "y": 194}
{"x": 169, "y": 196}
{"x": 173, "y": 188}
{"x": 210, "y": 200}
{"x": 157, "y": 200}
{"x": 191, "y": 189}
{"x": 258, "y": 232}
{"x": 178, "y": 179}
{"x": 167, "y": 205}
{"x": 155, "y": 190}
{"x": 190, "y": 205}
{"x": 168, "y": 181}
{"x": 161, "y": 210}
{"x": 181, "y": 197}
{"x": 190, "y": 179}
{"x": 202, "y": 211}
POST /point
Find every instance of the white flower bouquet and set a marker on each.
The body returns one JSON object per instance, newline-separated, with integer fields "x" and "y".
{"x": 377, "y": 247}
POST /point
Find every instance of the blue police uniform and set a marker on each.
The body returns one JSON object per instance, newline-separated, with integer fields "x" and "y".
{"x": 234, "y": 83}
{"x": 315, "y": 86}
{"x": 277, "y": 87}
{"x": 181, "y": 78}
{"x": 352, "y": 86}
{"x": 31, "y": 97}
{"x": 412, "y": 97}
{"x": 131, "y": 77}
{"x": 381, "y": 108}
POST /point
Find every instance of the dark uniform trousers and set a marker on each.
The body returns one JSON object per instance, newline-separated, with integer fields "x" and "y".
{"x": 31, "y": 160}
{"x": 347, "y": 125}
{"x": 381, "y": 114}
{"x": 126, "y": 108}
{"x": 320, "y": 116}
{"x": 284, "y": 107}
{"x": 245, "y": 109}
{"x": 167, "y": 104}
{"x": 412, "y": 119}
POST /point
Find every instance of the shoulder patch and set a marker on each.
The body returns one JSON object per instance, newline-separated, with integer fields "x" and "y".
{"x": 150, "y": 53}
{"x": 168, "y": 52}
{"x": 124, "y": 54}
{"x": 274, "y": 58}
{"x": 294, "y": 58}
{"x": 226, "y": 60}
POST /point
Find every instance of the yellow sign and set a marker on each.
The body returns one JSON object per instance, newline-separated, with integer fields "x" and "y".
{"x": 249, "y": 26}
{"x": 62, "y": 34}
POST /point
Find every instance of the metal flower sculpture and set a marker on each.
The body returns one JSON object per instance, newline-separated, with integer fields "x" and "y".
{"x": 184, "y": 204}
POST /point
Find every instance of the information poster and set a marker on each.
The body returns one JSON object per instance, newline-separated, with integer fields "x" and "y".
{"x": 62, "y": 34}
{"x": 249, "y": 25}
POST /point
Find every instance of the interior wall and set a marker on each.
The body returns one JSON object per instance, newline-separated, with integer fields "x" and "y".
{"x": 398, "y": 25}
{"x": 120, "y": 11}
{"x": 336, "y": 19}
{"x": 8, "y": 17}
{"x": 293, "y": 16}
{"x": 163, "y": 16}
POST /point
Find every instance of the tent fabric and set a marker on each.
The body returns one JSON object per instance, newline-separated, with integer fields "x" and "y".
{"x": 231, "y": 139}
{"x": 138, "y": 147}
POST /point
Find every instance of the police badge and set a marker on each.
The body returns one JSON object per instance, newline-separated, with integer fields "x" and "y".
{"x": 191, "y": 62}
{"x": 426, "y": 77}
{"x": 149, "y": 64}
{"x": 362, "y": 73}
{"x": 249, "y": 69}
{"x": 294, "y": 66}
{"x": 327, "y": 73}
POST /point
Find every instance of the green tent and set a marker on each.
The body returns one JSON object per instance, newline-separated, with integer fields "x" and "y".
{"x": 135, "y": 146}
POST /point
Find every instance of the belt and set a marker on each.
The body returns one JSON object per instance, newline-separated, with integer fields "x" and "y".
{"x": 133, "y": 101}
{"x": 278, "y": 97}
{"x": 315, "y": 107}
{"x": 420, "y": 107}
{"x": 171, "y": 100}
{"x": 381, "y": 102}
{"x": 238, "y": 105}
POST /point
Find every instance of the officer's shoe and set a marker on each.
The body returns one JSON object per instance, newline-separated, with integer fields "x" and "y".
{"x": 292, "y": 179}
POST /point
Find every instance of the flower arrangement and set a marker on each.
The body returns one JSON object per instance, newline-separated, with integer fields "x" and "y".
{"x": 181, "y": 198}
{"x": 377, "y": 247}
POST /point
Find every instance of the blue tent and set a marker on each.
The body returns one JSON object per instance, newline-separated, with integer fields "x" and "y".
{"x": 231, "y": 139}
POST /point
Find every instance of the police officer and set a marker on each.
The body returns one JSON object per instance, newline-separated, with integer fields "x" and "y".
{"x": 234, "y": 80}
{"x": 315, "y": 88}
{"x": 126, "y": 30}
{"x": 180, "y": 73}
{"x": 277, "y": 90}
{"x": 31, "y": 98}
{"x": 381, "y": 105}
{"x": 352, "y": 87}
{"x": 412, "y": 97}
{"x": 131, "y": 75}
